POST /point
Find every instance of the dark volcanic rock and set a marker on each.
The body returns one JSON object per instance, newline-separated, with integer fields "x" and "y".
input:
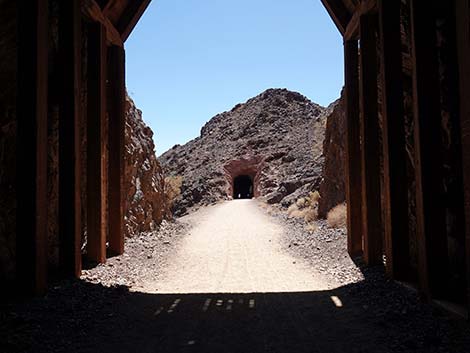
{"x": 275, "y": 138}
{"x": 334, "y": 149}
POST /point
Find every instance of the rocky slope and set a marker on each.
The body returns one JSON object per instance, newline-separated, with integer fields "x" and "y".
{"x": 143, "y": 178}
{"x": 275, "y": 138}
{"x": 332, "y": 188}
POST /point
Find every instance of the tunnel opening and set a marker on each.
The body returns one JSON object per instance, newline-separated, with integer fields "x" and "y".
{"x": 243, "y": 187}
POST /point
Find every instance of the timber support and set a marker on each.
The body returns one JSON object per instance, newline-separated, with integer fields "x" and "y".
{"x": 371, "y": 203}
{"x": 394, "y": 142}
{"x": 353, "y": 148}
{"x": 31, "y": 174}
{"x": 96, "y": 143}
{"x": 69, "y": 137}
{"x": 117, "y": 127}
{"x": 463, "y": 52}
{"x": 430, "y": 213}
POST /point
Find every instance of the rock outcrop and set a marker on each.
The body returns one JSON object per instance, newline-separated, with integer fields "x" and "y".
{"x": 332, "y": 188}
{"x": 143, "y": 178}
{"x": 275, "y": 138}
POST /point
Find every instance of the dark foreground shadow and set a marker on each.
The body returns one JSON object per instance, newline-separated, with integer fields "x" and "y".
{"x": 372, "y": 316}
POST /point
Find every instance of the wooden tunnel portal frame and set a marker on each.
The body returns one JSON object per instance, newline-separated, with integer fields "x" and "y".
{"x": 109, "y": 24}
{"x": 383, "y": 237}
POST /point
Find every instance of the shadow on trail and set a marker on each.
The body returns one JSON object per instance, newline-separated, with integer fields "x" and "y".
{"x": 374, "y": 315}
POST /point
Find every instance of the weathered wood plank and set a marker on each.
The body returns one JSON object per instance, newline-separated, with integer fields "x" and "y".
{"x": 96, "y": 144}
{"x": 117, "y": 126}
{"x": 463, "y": 51}
{"x": 69, "y": 137}
{"x": 31, "y": 225}
{"x": 430, "y": 212}
{"x": 371, "y": 203}
{"x": 363, "y": 8}
{"x": 353, "y": 148}
{"x": 131, "y": 15}
{"x": 94, "y": 12}
{"x": 338, "y": 13}
{"x": 394, "y": 143}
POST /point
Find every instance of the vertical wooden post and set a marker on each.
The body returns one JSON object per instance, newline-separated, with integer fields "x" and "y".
{"x": 371, "y": 203}
{"x": 117, "y": 126}
{"x": 31, "y": 229}
{"x": 96, "y": 144}
{"x": 430, "y": 213}
{"x": 394, "y": 142}
{"x": 463, "y": 48}
{"x": 353, "y": 148}
{"x": 69, "y": 137}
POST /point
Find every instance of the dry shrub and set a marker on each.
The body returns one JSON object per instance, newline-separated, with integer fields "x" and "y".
{"x": 312, "y": 227}
{"x": 310, "y": 215}
{"x": 314, "y": 197}
{"x": 292, "y": 209}
{"x": 337, "y": 217}
{"x": 172, "y": 189}
{"x": 302, "y": 202}
{"x": 297, "y": 214}
{"x": 306, "y": 208}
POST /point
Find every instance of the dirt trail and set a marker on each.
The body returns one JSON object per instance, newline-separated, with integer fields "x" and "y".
{"x": 228, "y": 286}
{"x": 234, "y": 247}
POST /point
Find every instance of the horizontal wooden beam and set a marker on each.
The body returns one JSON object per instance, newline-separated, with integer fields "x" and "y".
{"x": 352, "y": 29}
{"x": 130, "y": 16}
{"x": 338, "y": 13}
{"x": 93, "y": 12}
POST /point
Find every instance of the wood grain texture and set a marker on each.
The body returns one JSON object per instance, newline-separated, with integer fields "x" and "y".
{"x": 362, "y": 8}
{"x": 117, "y": 126}
{"x": 131, "y": 15}
{"x": 371, "y": 203}
{"x": 353, "y": 148}
{"x": 394, "y": 143}
{"x": 339, "y": 13}
{"x": 96, "y": 144}
{"x": 93, "y": 11}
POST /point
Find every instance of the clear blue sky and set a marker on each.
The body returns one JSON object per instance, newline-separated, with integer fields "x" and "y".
{"x": 188, "y": 60}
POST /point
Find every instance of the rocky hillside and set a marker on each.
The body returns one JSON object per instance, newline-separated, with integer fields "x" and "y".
{"x": 143, "y": 180}
{"x": 275, "y": 138}
{"x": 332, "y": 188}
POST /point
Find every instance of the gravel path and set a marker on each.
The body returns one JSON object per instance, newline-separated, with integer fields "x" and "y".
{"x": 234, "y": 277}
{"x": 234, "y": 247}
{"x": 145, "y": 256}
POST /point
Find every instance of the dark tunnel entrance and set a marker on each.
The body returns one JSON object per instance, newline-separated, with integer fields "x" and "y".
{"x": 242, "y": 187}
